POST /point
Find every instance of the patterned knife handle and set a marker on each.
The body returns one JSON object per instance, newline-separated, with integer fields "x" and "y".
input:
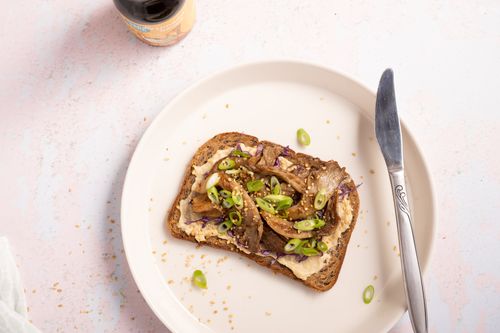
{"x": 412, "y": 277}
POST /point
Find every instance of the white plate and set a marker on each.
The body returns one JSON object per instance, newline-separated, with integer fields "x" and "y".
{"x": 271, "y": 100}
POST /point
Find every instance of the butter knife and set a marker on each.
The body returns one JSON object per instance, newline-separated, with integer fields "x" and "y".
{"x": 388, "y": 133}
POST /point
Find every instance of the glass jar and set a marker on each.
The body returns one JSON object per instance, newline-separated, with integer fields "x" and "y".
{"x": 158, "y": 22}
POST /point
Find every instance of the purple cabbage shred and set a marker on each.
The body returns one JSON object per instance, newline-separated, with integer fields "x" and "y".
{"x": 205, "y": 220}
{"x": 344, "y": 190}
{"x": 265, "y": 252}
{"x": 286, "y": 151}
{"x": 259, "y": 150}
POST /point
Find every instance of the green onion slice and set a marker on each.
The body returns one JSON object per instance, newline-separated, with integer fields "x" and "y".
{"x": 368, "y": 294}
{"x": 312, "y": 243}
{"x": 228, "y": 203}
{"x": 224, "y": 227}
{"x": 255, "y": 185}
{"x": 303, "y": 137}
{"x": 298, "y": 249}
{"x": 322, "y": 246}
{"x": 275, "y": 198}
{"x": 225, "y": 194}
{"x": 284, "y": 204}
{"x": 213, "y": 195}
{"x": 320, "y": 200}
{"x": 319, "y": 223}
{"x": 226, "y": 164}
{"x": 292, "y": 244}
{"x": 275, "y": 185}
{"x": 235, "y": 217}
{"x": 212, "y": 180}
{"x": 265, "y": 206}
{"x": 305, "y": 225}
{"x": 199, "y": 279}
{"x": 309, "y": 251}
{"x": 237, "y": 199}
{"x": 240, "y": 153}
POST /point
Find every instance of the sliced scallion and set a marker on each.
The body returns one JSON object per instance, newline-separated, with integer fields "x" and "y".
{"x": 319, "y": 223}
{"x": 199, "y": 279}
{"x": 237, "y": 199}
{"x": 305, "y": 225}
{"x": 275, "y": 198}
{"x": 224, "y": 227}
{"x": 235, "y": 217}
{"x": 309, "y": 251}
{"x": 255, "y": 185}
{"x": 298, "y": 249}
{"x": 322, "y": 246}
{"x": 284, "y": 204}
{"x": 275, "y": 185}
{"x": 303, "y": 137}
{"x": 213, "y": 195}
{"x": 292, "y": 244}
{"x": 225, "y": 194}
{"x": 240, "y": 153}
{"x": 226, "y": 164}
{"x": 368, "y": 294}
{"x": 228, "y": 203}
{"x": 265, "y": 206}
{"x": 320, "y": 200}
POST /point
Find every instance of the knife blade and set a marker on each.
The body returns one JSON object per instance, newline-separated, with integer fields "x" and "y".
{"x": 387, "y": 126}
{"x": 388, "y": 132}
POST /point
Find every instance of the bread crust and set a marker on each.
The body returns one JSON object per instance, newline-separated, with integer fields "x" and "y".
{"x": 322, "y": 280}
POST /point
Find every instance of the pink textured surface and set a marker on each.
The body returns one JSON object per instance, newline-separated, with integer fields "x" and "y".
{"x": 77, "y": 91}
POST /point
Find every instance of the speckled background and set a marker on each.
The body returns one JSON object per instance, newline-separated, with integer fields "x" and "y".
{"x": 77, "y": 91}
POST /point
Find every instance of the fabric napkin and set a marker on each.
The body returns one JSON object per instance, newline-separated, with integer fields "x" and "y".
{"x": 13, "y": 312}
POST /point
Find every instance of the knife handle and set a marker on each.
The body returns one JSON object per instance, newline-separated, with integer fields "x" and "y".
{"x": 414, "y": 288}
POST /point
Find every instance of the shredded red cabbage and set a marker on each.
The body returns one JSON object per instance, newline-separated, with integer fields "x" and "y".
{"x": 344, "y": 190}
{"x": 205, "y": 220}
{"x": 265, "y": 252}
{"x": 286, "y": 151}
{"x": 230, "y": 233}
{"x": 259, "y": 150}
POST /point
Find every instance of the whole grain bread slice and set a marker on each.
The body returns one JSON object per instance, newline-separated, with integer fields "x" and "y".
{"x": 322, "y": 280}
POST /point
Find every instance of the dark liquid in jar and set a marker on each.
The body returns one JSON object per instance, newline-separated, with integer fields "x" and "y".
{"x": 148, "y": 11}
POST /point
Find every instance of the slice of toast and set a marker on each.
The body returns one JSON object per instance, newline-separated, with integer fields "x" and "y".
{"x": 322, "y": 280}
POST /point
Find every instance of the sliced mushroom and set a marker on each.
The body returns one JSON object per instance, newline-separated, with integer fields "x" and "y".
{"x": 250, "y": 231}
{"x": 327, "y": 178}
{"x": 295, "y": 181}
{"x": 271, "y": 241}
{"x": 269, "y": 154}
{"x": 284, "y": 227}
{"x": 330, "y": 216}
{"x": 201, "y": 204}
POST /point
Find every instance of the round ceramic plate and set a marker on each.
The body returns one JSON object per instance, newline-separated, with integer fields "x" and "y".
{"x": 271, "y": 100}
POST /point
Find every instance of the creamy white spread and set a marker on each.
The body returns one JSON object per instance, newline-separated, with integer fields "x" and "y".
{"x": 312, "y": 265}
{"x": 302, "y": 269}
{"x": 284, "y": 163}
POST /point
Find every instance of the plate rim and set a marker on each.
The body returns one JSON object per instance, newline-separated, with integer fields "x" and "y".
{"x": 220, "y": 73}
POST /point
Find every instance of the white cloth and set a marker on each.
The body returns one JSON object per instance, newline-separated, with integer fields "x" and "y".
{"x": 13, "y": 314}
